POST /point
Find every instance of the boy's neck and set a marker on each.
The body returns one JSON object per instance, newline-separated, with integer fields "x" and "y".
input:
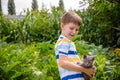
{"x": 65, "y": 36}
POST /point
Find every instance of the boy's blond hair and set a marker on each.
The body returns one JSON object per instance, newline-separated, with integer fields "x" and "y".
{"x": 71, "y": 17}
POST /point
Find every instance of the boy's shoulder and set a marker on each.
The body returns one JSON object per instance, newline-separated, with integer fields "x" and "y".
{"x": 62, "y": 39}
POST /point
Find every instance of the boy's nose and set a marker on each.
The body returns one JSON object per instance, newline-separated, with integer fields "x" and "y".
{"x": 74, "y": 31}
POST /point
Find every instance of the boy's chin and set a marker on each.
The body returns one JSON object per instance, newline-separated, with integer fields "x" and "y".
{"x": 71, "y": 37}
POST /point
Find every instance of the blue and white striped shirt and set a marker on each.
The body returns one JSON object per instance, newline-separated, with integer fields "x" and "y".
{"x": 67, "y": 48}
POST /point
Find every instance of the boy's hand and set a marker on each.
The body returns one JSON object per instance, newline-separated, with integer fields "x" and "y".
{"x": 90, "y": 72}
{"x": 94, "y": 68}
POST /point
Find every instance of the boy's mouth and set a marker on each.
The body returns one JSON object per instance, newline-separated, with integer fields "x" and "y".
{"x": 71, "y": 35}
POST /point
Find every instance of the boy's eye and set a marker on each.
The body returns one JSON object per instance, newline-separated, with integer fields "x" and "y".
{"x": 71, "y": 28}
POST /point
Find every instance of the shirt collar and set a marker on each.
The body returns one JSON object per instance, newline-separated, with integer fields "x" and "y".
{"x": 62, "y": 36}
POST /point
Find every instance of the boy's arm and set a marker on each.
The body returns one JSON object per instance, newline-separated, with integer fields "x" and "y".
{"x": 70, "y": 66}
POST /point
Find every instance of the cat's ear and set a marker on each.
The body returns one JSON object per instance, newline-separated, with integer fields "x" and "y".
{"x": 93, "y": 58}
{"x": 84, "y": 56}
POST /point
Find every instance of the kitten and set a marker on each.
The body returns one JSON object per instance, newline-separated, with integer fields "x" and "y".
{"x": 87, "y": 62}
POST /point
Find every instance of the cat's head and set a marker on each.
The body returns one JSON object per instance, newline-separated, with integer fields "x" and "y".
{"x": 88, "y": 61}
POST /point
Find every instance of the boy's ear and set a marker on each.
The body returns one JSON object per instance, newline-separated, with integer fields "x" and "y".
{"x": 62, "y": 25}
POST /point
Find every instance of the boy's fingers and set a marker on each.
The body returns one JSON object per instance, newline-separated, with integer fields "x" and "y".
{"x": 94, "y": 67}
{"x": 91, "y": 75}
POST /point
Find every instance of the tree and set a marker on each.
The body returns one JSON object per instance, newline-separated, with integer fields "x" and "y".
{"x": 82, "y": 3}
{"x": 11, "y": 7}
{"x": 0, "y": 6}
{"x": 102, "y": 23}
{"x": 61, "y": 5}
{"x": 34, "y": 5}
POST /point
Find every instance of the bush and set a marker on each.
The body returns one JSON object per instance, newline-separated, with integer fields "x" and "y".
{"x": 107, "y": 62}
{"x": 36, "y": 26}
{"x": 37, "y": 61}
{"x": 101, "y": 23}
{"x": 28, "y": 62}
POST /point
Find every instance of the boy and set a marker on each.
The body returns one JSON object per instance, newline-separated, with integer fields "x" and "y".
{"x": 65, "y": 50}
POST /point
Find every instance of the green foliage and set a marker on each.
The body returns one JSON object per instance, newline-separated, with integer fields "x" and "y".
{"x": 37, "y": 61}
{"x": 101, "y": 23}
{"x": 27, "y": 62}
{"x": 90, "y": 49}
{"x": 35, "y": 26}
{"x": 106, "y": 62}
{"x": 11, "y": 7}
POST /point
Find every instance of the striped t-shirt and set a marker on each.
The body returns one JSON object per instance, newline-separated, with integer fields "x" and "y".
{"x": 66, "y": 47}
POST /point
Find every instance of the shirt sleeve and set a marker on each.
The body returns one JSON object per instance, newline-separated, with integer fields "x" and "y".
{"x": 63, "y": 48}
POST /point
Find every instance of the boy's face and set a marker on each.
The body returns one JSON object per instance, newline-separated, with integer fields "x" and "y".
{"x": 69, "y": 30}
